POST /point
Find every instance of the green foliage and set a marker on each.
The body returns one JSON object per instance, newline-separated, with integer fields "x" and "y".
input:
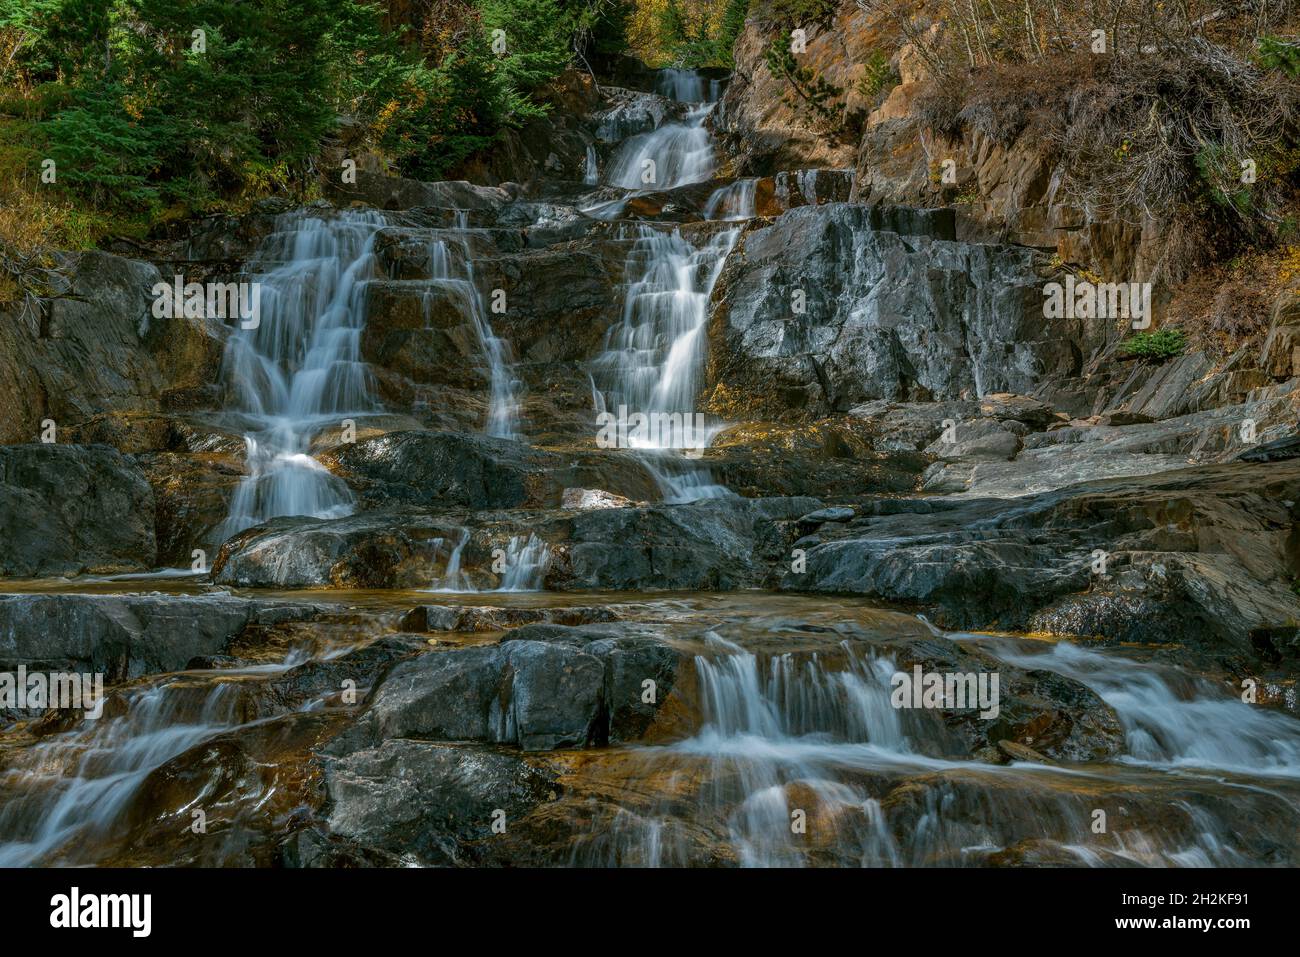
{"x": 139, "y": 111}
{"x": 806, "y": 89}
{"x": 537, "y": 34}
{"x": 102, "y": 152}
{"x": 703, "y": 36}
{"x": 1156, "y": 346}
{"x": 879, "y": 76}
{"x": 800, "y": 13}
{"x": 1274, "y": 53}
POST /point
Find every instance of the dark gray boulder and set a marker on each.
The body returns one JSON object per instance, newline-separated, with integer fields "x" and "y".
{"x": 68, "y": 509}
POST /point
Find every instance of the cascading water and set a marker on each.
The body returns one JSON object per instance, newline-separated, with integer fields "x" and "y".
{"x": 451, "y": 270}
{"x": 733, "y": 202}
{"x": 523, "y": 564}
{"x": 526, "y": 561}
{"x": 1172, "y": 719}
{"x": 591, "y": 173}
{"x": 687, "y": 86}
{"x": 671, "y": 155}
{"x": 76, "y": 787}
{"x": 654, "y": 358}
{"x": 819, "y": 734}
{"x": 299, "y": 371}
{"x": 675, "y": 154}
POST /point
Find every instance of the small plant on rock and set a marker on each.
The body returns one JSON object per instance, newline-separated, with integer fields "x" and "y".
{"x": 1154, "y": 346}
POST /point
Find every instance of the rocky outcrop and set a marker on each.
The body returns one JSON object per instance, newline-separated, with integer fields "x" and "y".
{"x": 828, "y": 307}
{"x": 420, "y": 801}
{"x": 1202, "y": 557}
{"x": 714, "y": 545}
{"x": 543, "y": 687}
{"x": 450, "y": 470}
{"x": 96, "y": 348}
{"x": 68, "y": 509}
{"x": 126, "y": 636}
{"x": 767, "y": 127}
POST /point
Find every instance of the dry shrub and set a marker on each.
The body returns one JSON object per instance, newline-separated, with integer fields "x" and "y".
{"x": 1004, "y": 101}
{"x": 1228, "y": 306}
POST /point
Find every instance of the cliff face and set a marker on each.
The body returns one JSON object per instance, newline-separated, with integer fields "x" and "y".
{"x": 766, "y": 127}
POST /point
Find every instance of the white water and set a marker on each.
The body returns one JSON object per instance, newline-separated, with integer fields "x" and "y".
{"x": 1175, "y": 720}
{"x": 76, "y": 786}
{"x": 451, "y": 269}
{"x": 675, "y": 154}
{"x": 687, "y": 86}
{"x": 526, "y": 561}
{"x": 801, "y": 731}
{"x": 734, "y": 202}
{"x": 654, "y": 358}
{"x": 523, "y": 564}
{"x": 591, "y": 175}
{"x": 300, "y": 372}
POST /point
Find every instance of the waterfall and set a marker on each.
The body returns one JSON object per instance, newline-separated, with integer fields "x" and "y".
{"x": 592, "y": 170}
{"x": 454, "y": 274}
{"x": 1172, "y": 719}
{"x": 672, "y": 155}
{"x": 523, "y": 564}
{"x": 526, "y": 561}
{"x": 687, "y": 86}
{"x": 653, "y": 361}
{"x": 733, "y": 202}
{"x": 76, "y": 786}
{"x": 299, "y": 371}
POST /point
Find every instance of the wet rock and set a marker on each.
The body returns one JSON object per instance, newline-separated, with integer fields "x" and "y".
{"x": 805, "y": 187}
{"x": 1199, "y": 556}
{"x": 717, "y": 544}
{"x": 461, "y": 470}
{"x": 535, "y": 695}
{"x": 470, "y": 618}
{"x": 68, "y": 509}
{"x": 831, "y": 459}
{"x": 887, "y": 316}
{"x": 424, "y": 802}
{"x": 713, "y": 544}
{"x": 437, "y": 468}
{"x": 629, "y": 112}
{"x": 391, "y": 549}
{"x": 543, "y": 687}
{"x": 192, "y": 495}
{"x": 126, "y": 636}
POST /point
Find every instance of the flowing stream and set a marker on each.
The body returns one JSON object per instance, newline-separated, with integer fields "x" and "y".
{"x": 819, "y": 734}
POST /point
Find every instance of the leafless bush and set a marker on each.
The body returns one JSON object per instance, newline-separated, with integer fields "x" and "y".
{"x": 1147, "y": 134}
